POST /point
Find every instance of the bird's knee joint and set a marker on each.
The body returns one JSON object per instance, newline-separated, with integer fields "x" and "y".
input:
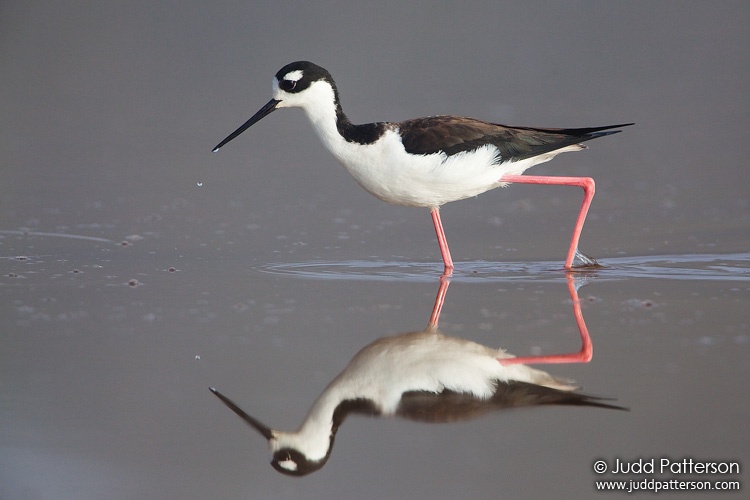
{"x": 588, "y": 184}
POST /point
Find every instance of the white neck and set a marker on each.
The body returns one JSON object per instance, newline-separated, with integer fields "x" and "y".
{"x": 313, "y": 438}
{"x": 319, "y": 104}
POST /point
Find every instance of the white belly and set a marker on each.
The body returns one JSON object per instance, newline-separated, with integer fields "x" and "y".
{"x": 391, "y": 174}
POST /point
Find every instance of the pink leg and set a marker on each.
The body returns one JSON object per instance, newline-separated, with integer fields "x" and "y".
{"x": 439, "y": 301}
{"x": 582, "y": 356}
{"x": 587, "y": 183}
{"x": 444, "y": 251}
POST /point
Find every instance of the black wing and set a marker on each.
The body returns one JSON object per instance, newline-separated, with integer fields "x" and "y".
{"x": 449, "y": 406}
{"x": 452, "y": 134}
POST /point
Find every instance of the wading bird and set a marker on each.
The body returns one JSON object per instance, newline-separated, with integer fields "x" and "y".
{"x": 427, "y": 162}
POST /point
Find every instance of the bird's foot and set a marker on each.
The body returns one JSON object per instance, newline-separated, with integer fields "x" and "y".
{"x": 582, "y": 262}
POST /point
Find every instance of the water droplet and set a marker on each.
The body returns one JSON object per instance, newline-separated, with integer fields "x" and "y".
{"x": 197, "y": 357}
{"x": 199, "y": 183}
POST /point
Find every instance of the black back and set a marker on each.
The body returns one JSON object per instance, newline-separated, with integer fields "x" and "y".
{"x": 452, "y": 134}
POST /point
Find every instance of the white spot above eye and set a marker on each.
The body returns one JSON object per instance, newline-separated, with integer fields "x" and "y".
{"x": 288, "y": 464}
{"x": 294, "y": 76}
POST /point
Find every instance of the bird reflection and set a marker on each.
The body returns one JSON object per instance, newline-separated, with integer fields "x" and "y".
{"x": 584, "y": 355}
{"x": 425, "y": 376}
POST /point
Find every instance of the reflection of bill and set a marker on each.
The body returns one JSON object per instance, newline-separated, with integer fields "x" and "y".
{"x": 425, "y": 376}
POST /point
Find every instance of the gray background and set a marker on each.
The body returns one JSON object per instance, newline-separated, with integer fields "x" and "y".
{"x": 109, "y": 111}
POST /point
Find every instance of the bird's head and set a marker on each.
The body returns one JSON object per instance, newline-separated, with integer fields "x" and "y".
{"x": 288, "y": 457}
{"x": 300, "y": 84}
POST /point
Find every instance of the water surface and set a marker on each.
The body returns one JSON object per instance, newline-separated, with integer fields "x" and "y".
{"x": 137, "y": 269}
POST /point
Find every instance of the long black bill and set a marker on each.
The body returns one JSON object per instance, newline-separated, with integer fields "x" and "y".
{"x": 262, "y": 428}
{"x": 265, "y": 110}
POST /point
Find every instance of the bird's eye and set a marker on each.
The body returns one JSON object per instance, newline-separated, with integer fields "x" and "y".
{"x": 287, "y": 85}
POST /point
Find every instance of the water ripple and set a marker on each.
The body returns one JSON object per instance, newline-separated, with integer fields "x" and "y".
{"x": 716, "y": 267}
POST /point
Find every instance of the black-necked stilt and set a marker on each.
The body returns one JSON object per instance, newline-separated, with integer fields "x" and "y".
{"x": 427, "y": 162}
{"x": 425, "y": 376}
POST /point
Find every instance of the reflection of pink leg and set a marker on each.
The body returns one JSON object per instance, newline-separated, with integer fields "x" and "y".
{"x": 439, "y": 301}
{"x": 587, "y": 183}
{"x": 587, "y": 349}
{"x": 442, "y": 242}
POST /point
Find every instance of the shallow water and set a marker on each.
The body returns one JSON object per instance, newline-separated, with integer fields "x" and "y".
{"x": 110, "y": 350}
{"x": 137, "y": 269}
{"x": 729, "y": 267}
